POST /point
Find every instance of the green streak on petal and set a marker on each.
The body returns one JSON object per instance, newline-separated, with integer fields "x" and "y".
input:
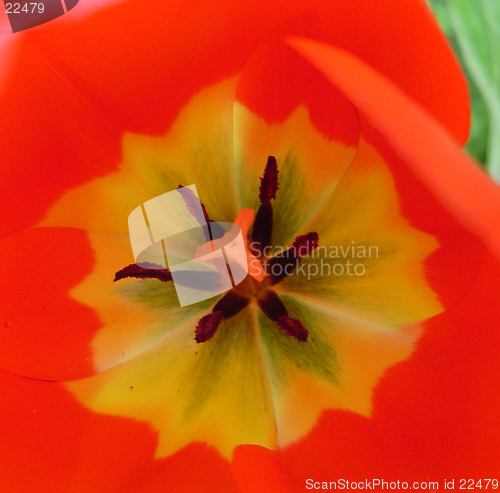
{"x": 231, "y": 362}
{"x": 288, "y": 218}
{"x": 315, "y": 356}
{"x": 208, "y": 165}
{"x": 294, "y": 204}
{"x": 161, "y": 298}
{"x": 215, "y": 392}
{"x": 370, "y": 294}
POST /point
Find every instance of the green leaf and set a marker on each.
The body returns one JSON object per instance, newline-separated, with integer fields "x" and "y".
{"x": 473, "y": 28}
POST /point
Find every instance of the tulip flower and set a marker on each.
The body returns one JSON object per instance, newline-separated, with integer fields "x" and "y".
{"x": 363, "y": 342}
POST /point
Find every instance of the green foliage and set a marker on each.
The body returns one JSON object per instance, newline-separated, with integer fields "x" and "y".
{"x": 473, "y": 28}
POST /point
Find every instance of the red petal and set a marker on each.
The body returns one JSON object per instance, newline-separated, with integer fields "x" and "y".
{"x": 44, "y": 333}
{"x": 435, "y": 416}
{"x": 74, "y": 114}
{"x": 399, "y": 38}
{"x": 436, "y": 413}
{"x": 258, "y": 469}
{"x": 458, "y": 182}
{"x": 51, "y": 443}
{"x": 71, "y": 91}
{"x": 51, "y": 138}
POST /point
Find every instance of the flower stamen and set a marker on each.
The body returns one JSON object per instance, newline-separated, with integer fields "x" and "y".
{"x": 293, "y": 327}
{"x": 263, "y": 225}
{"x": 229, "y": 305}
{"x": 207, "y": 326}
{"x": 192, "y": 203}
{"x": 269, "y": 184}
{"x": 146, "y": 270}
{"x": 272, "y": 306}
{"x": 232, "y": 303}
{"x": 288, "y": 261}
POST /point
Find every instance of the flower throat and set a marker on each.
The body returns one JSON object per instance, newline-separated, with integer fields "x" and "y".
{"x": 257, "y": 286}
